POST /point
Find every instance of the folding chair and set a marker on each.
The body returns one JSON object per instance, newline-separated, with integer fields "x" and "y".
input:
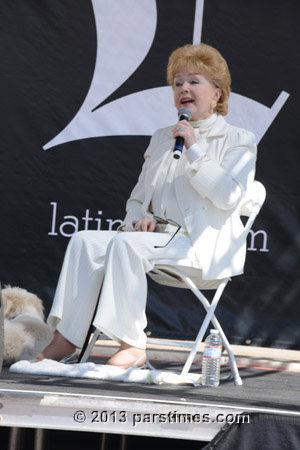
{"x": 174, "y": 274}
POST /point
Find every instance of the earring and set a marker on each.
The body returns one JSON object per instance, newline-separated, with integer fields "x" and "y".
{"x": 213, "y": 104}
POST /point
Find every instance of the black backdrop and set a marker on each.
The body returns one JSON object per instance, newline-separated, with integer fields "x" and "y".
{"x": 48, "y": 55}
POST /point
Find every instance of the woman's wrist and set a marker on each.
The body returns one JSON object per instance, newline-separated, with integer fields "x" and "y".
{"x": 194, "y": 152}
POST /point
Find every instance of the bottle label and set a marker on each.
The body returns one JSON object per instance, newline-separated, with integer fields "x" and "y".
{"x": 212, "y": 352}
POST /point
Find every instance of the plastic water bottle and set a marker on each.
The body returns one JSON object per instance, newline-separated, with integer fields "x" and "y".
{"x": 211, "y": 359}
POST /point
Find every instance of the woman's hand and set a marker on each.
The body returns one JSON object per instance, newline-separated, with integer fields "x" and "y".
{"x": 185, "y": 130}
{"x": 145, "y": 225}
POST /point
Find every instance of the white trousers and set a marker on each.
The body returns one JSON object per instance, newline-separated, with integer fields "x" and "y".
{"x": 114, "y": 265}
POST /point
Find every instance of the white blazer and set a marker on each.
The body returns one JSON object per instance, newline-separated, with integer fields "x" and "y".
{"x": 209, "y": 194}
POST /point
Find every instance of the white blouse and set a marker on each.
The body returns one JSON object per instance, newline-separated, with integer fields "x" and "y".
{"x": 163, "y": 203}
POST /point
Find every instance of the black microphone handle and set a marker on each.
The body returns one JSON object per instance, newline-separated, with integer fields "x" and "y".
{"x": 178, "y": 147}
{"x": 179, "y": 142}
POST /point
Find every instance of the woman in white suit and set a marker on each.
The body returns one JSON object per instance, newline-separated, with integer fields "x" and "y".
{"x": 201, "y": 192}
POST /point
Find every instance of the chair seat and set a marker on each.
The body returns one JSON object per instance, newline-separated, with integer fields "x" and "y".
{"x": 163, "y": 274}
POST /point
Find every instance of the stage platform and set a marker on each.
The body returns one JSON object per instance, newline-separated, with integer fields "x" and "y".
{"x": 270, "y": 385}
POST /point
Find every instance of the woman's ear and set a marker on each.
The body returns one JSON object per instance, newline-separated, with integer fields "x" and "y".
{"x": 218, "y": 93}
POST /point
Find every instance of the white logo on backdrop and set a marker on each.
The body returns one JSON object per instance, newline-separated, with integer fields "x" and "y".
{"x": 125, "y": 31}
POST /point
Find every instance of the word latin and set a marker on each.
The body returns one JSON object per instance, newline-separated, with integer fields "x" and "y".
{"x": 72, "y": 224}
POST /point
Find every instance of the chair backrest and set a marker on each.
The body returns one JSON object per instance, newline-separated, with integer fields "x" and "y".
{"x": 252, "y": 203}
{"x": 254, "y": 199}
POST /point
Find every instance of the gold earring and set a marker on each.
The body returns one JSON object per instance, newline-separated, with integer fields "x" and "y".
{"x": 213, "y": 104}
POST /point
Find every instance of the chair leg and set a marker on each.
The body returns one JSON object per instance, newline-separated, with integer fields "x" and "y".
{"x": 232, "y": 362}
{"x": 87, "y": 346}
{"x": 84, "y": 357}
{"x": 210, "y": 309}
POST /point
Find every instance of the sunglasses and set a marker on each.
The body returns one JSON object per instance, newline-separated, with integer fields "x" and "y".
{"x": 162, "y": 221}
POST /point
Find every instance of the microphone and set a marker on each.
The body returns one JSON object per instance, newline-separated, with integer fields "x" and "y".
{"x": 183, "y": 114}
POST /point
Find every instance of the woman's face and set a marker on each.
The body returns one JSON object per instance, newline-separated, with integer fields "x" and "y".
{"x": 195, "y": 92}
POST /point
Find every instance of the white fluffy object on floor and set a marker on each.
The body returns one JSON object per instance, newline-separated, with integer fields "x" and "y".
{"x": 103, "y": 372}
{"x": 25, "y": 332}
